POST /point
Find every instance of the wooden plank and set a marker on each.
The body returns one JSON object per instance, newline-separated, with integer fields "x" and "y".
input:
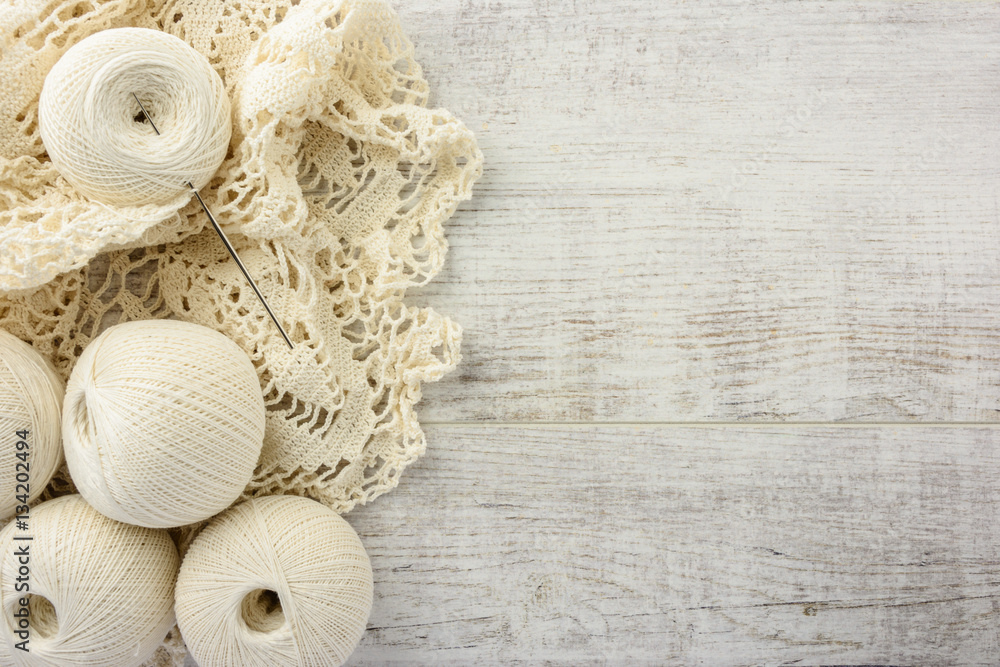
{"x": 722, "y": 210}
{"x": 718, "y": 546}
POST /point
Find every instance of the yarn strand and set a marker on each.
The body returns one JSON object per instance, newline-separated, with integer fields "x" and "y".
{"x": 226, "y": 242}
{"x": 89, "y": 127}
{"x": 279, "y": 581}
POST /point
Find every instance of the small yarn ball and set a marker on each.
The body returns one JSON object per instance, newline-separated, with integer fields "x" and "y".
{"x": 97, "y": 136}
{"x": 163, "y": 423}
{"x": 275, "y": 581}
{"x": 31, "y": 396}
{"x": 100, "y": 592}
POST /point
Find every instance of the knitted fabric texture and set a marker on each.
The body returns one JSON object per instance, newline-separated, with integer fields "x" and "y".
{"x": 335, "y": 189}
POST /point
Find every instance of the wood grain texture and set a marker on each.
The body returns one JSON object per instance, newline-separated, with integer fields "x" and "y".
{"x": 721, "y": 210}
{"x": 713, "y": 211}
{"x": 716, "y": 546}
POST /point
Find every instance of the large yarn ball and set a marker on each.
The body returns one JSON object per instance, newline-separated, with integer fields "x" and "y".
{"x": 275, "y": 581}
{"x": 96, "y": 134}
{"x": 31, "y": 396}
{"x": 163, "y": 423}
{"x": 99, "y": 592}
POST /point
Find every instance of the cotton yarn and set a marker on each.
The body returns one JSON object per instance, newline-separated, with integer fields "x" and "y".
{"x": 31, "y": 396}
{"x": 337, "y": 194}
{"x": 275, "y": 581}
{"x": 94, "y": 131}
{"x": 163, "y": 422}
{"x": 101, "y": 591}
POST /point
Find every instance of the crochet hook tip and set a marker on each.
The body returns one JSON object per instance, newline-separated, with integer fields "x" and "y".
{"x": 225, "y": 242}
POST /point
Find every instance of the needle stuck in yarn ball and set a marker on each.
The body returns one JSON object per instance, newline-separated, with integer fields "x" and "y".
{"x": 93, "y": 136}
{"x": 226, "y": 242}
{"x": 87, "y": 119}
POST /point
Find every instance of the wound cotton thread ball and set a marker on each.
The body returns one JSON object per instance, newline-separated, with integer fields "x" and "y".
{"x": 163, "y": 423}
{"x": 275, "y": 581}
{"x": 31, "y": 396}
{"x": 101, "y": 592}
{"x": 94, "y": 130}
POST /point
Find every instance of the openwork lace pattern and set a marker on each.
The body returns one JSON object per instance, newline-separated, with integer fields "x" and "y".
{"x": 335, "y": 190}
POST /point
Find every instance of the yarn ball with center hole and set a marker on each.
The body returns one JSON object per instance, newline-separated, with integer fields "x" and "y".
{"x": 163, "y": 423}
{"x": 274, "y": 581}
{"x": 31, "y": 396}
{"x": 101, "y": 591}
{"x": 97, "y": 135}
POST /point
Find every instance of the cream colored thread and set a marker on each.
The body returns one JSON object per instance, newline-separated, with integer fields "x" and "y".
{"x": 299, "y": 550}
{"x": 339, "y": 185}
{"x": 163, "y": 423}
{"x": 31, "y": 396}
{"x": 103, "y": 589}
{"x": 89, "y": 119}
{"x": 225, "y": 241}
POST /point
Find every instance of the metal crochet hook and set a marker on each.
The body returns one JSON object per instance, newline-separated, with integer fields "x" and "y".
{"x": 225, "y": 241}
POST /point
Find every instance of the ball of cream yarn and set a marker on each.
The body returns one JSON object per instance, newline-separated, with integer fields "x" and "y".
{"x": 163, "y": 423}
{"x": 31, "y": 396}
{"x": 101, "y": 592}
{"x": 275, "y": 581}
{"x": 94, "y": 131}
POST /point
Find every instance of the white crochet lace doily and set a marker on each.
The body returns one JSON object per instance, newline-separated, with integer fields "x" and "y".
{"x": 337, "y": 185}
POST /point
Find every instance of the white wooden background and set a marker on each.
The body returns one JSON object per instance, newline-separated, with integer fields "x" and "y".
{"x": 731, "y": 293}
